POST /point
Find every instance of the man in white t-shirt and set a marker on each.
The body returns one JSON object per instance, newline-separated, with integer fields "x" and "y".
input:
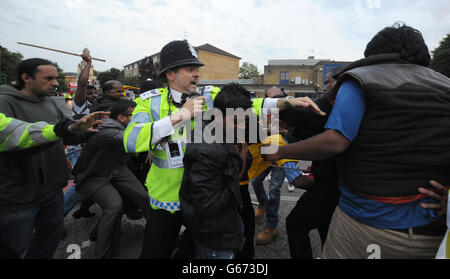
{"x": 83, "y": 100}
{"x": 86, "y": 93}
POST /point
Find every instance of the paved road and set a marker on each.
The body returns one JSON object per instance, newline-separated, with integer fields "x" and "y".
{"x": 133, "y": 231}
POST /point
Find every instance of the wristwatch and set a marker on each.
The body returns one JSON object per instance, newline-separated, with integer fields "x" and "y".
{"x": 286, "y": 100}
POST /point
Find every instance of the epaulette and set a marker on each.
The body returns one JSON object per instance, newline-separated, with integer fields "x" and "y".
{"x": 203, "y": 89}
{"x": 150, "y": 94}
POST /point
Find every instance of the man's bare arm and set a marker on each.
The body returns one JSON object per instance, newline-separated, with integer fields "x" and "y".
{"x": 80, "y": 96}
{"x": 320, "y": 147}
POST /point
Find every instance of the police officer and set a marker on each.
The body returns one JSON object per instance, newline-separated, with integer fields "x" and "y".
{"x": 155, "y": 125}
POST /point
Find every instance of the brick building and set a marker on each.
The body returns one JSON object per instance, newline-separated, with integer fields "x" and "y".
{"x": 219, "y": 64}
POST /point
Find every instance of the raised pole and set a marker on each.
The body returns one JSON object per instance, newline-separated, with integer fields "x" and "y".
{"x": 61, "y": 51}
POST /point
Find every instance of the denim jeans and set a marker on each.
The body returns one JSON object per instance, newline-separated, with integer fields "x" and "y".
{"x": 45, "y": 218}
{"x": 71, "y": 197}
{"x": 273, "y": 200}
{"x": 73, "y": 154}
{"x": 204, "y": 252}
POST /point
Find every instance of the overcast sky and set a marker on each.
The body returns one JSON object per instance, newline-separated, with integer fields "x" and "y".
{"x": 124, "y": 31}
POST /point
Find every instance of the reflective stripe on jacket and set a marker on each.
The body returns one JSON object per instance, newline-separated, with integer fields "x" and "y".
{"x": 17, "y": 134}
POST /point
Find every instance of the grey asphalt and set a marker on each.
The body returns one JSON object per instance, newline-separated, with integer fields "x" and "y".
{"x": 132, "y": 233}
{"x": 76, "y": 244}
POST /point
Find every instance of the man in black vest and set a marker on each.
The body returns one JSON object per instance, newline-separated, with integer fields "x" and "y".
{"x": 389, "y": 128}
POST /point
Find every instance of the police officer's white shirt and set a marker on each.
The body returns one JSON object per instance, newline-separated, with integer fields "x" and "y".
{"x": 163, "y": 127}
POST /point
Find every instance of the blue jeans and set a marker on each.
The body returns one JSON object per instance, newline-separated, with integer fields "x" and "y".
{"x": 71, "y": 197}
{"x": 273, "y": 201}
{"x": 45, "y": 218}
{"x": 73, "y": 153}
{"x": 204, "y": 252}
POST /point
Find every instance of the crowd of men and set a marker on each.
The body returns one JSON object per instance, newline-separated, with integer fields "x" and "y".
{"x": 378, "y": 139}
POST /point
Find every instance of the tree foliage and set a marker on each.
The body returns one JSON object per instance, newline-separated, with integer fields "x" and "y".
{"x": 9, "y": 62}
{"x": 111, "y": 74}
{"x": 248, "y": 70}
{"x": 62, "y": 87}
{"x": 441, "y": 57}
{"x": 116, "y": 74}
{"x": 148, "y": 69}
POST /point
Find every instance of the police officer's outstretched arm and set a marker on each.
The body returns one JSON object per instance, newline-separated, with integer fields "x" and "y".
{"x": 299, "y": 103}
{"x": 16, "y": 134}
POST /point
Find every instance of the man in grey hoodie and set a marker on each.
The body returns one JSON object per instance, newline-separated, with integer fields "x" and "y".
{"x": 32, "y": 179}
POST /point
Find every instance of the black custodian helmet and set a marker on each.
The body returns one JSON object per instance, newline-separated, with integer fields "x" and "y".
{"x": 178, "y": 53}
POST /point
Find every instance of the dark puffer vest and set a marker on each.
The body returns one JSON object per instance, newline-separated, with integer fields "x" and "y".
{"x": 404, "y": 137}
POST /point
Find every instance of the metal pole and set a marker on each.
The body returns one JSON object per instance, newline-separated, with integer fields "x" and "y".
{"x": 61, "y": 51}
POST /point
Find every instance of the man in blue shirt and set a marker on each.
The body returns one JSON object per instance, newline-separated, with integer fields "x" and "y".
{"x": 388, "y": 125}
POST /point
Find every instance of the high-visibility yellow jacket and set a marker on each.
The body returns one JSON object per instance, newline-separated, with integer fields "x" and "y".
{"x": 17, "y": 134}
{"x": 163, "y": 183}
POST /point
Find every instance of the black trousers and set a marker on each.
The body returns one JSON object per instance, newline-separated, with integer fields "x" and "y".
{"x": 161, "y": 237}
{"x": 248, "y": 218}
{"x": 110, "y": 199}
{"x": 313, "y": 210}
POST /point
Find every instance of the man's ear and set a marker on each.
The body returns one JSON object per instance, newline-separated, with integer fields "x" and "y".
{"x": 170, "y": 75}
{"x": 120, "y": 117}
{"x": 26, "y": 78}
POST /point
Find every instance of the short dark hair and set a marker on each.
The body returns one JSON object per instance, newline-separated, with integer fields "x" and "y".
{"x": 108, "y": 86}
{"x": 121, "y": 107}
{"x": 29, "y": 67}
{"x": 234, "y": 96}
{"x": 91, "y": 87}
{"x": 401, "y": 39}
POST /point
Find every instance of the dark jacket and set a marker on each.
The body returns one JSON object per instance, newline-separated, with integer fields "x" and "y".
{"x": 29, "y": 176}
{"x": 403, "y": 139}
{"x": 103, "y": 103}
{"x": 305, "y": 124}
{"x": 210, "y": 195}
{"x": 101, "y": 159}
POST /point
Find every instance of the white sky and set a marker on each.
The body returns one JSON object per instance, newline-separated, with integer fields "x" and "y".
{"x": 124, "y": 31}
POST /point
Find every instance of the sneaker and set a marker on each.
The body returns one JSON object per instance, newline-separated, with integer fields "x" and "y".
{"x": 259, "y": 212}
{"x": 266, "y": 235}
{"x": 291, "y": 188}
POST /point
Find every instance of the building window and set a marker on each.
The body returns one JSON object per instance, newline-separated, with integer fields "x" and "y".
{"x": 284, "y": 78}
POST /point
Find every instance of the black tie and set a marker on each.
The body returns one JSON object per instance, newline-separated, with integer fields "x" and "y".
{"x": 182, "y": 101}
{"x": 183, "y": 98}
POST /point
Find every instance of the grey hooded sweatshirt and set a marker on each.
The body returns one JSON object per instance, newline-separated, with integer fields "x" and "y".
{"x": 29, "y": 176}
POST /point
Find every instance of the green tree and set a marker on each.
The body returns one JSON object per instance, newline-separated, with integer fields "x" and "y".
{"x": 148, "y": 69}
{"x": 132, "y": 81}
{"x": 111, "y": 74}
{"x": 9, "y": 62}
{"x": 62, "y": 87}
{"x": 248, "y": 70}
{"x": 441, "y": 57}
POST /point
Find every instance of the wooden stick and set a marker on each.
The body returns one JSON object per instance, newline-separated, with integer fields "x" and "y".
{"x": 61, "y": 51}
